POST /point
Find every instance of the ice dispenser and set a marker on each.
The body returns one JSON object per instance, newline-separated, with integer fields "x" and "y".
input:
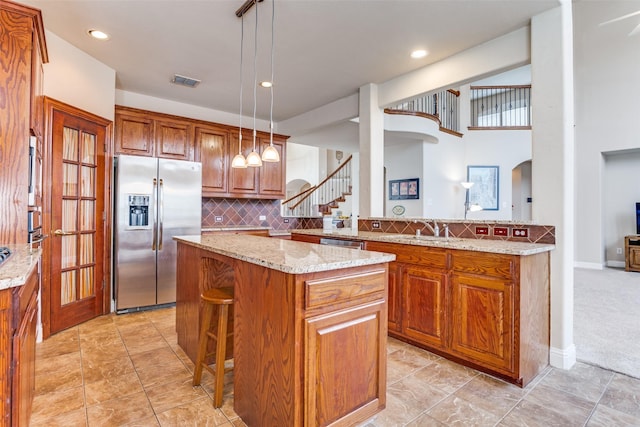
{"x": 138, "y": 210}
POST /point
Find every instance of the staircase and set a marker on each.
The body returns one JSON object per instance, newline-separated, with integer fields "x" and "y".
{"x": 320, "y": 199}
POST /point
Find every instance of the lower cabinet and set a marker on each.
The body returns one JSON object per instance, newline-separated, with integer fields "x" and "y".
{"x": 18, "y": 318}
{"x": 344, "y": 364}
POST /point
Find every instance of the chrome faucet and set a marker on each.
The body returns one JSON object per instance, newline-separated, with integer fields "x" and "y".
{"x": 435, "y": 230}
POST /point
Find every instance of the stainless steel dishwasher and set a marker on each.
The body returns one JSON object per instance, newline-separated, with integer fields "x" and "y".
{"x": 353, "y": 244}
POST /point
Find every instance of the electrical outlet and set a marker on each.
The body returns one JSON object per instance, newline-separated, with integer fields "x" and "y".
{"x": 500, "y": 231}
{"x": 286, "y": 220}
{"x": 219, "y": 218}
{"x": 262, "y": 217}
{"x": 619, "y": 251}
{"x": 520, "y": 232}
{"x": 375, "y": 224}
{"x": 482, "y": 231}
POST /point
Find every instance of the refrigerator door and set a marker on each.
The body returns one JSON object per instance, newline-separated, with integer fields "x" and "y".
{"x": 135, "y": 256}
{"x": 179, "y": 214}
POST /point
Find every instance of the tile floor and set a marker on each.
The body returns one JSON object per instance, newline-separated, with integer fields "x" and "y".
{"x": 127, "y": 370}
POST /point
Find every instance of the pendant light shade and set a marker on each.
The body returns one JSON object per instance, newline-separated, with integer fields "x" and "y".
{"x": 239, "y": 162}
{"x": 253, "y": 159}
{"x": 270, "y": 154}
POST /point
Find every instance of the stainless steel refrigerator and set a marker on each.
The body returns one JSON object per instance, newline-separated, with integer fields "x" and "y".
{"x": 156, "y": 199}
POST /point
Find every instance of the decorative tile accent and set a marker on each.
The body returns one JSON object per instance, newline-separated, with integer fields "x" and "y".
{"x": 537, "y": 233}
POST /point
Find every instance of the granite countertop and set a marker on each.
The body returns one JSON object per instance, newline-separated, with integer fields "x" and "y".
{"x": 478, "y": 245}
{"x": 285, "y": 255}
{"x": 15, "y": 269}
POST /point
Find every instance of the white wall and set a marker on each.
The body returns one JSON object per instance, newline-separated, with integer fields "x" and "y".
{"x": 621, "y": 193}
{"x": 402, "y": 161}
{"x": 607, "y": 89}
{"x": 302, "y": 163}
{"x": 73, "y": 77}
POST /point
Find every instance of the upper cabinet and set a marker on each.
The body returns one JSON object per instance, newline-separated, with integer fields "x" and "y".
{"x": 143, "y": 133}
{"x": 21, "y": 115}
{"x": 146, "y": 133}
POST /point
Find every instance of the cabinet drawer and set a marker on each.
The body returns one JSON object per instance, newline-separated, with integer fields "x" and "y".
{"x": 334, "y": 290}
{"x": 485, "y": 264}
{"x": 428, "y": 257}
{"x": 22, "y": 296}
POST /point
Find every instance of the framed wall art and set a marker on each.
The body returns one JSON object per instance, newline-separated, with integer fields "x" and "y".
{"x": 484, "y": 191}
{"x": 401, "y": 189}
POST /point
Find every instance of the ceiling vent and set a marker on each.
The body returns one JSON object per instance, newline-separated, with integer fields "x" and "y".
{"x": 185, "y": 81}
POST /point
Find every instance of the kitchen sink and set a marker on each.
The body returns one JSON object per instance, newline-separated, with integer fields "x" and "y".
{"x": 413, "y": 237}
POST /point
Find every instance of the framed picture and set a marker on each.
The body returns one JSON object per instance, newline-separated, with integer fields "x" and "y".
{"x": 484, "y": 191}
{"x": 400, "y": 189}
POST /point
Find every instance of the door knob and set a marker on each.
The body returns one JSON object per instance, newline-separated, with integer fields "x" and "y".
{"x": 59, "y": 232}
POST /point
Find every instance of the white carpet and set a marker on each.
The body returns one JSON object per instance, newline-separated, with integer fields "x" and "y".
{"x": 607, "y": 319}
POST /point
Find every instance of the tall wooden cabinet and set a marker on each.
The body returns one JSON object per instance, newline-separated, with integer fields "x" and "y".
{"x": 23, "y": 53}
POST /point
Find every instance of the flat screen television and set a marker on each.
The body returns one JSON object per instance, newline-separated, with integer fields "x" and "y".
{"x": 638, "y": 218}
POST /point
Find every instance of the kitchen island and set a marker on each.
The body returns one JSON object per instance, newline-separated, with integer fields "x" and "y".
{"x": 309, "y": 322}
{"x": 479, "y": 302}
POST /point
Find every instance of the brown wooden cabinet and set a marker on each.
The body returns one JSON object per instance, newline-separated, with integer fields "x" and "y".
{"x": 271, "y": 180}
{"x": 18, "y": 321}
{"x": 632, "y": 253}
{"x": 212, "y": 150}
{"x": 142, "y": 133}
{"x": 489, "y": 311}
{"x": 23, "y": 53}
{"x": 242, "y": 181}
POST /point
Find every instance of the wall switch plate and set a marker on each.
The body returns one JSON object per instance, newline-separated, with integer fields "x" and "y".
{"x": 262, "y": 217}
{"x": 482, "y": 231}
{"x": 520, "y": 232}
{"x": 218, "y": 218}
{"x": 619, "y": 251}
{"x": 500, "y": 231}
{"x": 375, "y": 224}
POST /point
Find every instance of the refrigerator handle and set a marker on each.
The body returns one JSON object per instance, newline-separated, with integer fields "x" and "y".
{"x": 161, "y": 213}
{"x": 155, "y": 218}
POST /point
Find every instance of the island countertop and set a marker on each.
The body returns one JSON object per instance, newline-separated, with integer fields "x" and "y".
{"x": 285, "y": 255}
{"x": 478, "y": 245}
{"x": 15, "y": 270}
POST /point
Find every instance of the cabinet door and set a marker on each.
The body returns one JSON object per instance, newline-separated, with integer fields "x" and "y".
{"x": 424, "y": 305}
{"x": 483, "y": 321}
{"x": 37, "y": 79}
{"x": 394, "y": 298}
{"x": 134, "y": 135}
{"x": 212, "y": 150}
{"x": 173, "y": 140}
{"x": 272, "y": 180}
{"x": 345, "y": 365}
{"x": 24, "y": 364}
{"x": 242, "y": 181}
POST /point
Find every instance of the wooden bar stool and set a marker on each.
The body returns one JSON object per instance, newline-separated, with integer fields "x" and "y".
{"x": 221, "y": 298}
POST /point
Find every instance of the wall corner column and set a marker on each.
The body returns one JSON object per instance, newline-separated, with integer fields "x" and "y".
{"x": 371, "y": 137}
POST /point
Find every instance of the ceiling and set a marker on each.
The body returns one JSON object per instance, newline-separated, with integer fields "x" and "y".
{"x": 324, "y": 49}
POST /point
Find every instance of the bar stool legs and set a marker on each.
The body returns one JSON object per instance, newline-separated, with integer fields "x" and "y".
{"x": 222, "y": 298}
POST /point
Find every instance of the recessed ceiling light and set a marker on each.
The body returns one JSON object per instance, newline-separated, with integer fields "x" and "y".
{"x": 417, "y": 54}
{"x": 97, "y": 34}
{"x": 266, "y": 84}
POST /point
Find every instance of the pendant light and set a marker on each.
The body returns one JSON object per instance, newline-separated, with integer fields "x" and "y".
{"x": 253, "y": 159}
{"x": 239, "y": 162}
{"x": 270, "y": 154}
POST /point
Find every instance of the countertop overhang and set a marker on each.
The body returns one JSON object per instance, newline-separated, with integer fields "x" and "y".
{"x": 478, "y": 245}
{"x": 285, "y": 255}
{"x": 15, "y": 269}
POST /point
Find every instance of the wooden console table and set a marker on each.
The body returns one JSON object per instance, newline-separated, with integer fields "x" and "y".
{"x": 309, "y": 321}
{"x": 632, "y": 253}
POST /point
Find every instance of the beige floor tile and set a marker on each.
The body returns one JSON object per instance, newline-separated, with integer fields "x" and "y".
{"x": 144, "y": 344}
{"x": 446, "y": 376}
{"x": 58, "y": 373}
{"x": 105, "y": 389}
{"x": 93, "y": 371}
{"x": 158, "y": 367}
{"x": 105, "y": 351}
{"x": 456, "y": 411}
{"x": 490, "y": 394}
{"x": 61, "y": 343}
{"x": 120, "y": 411}
{"x": 623, "y": 394}
{"x": 582, "y": 380}
{"x": 53, "y": 404}
{"x": 97, "y": 323}
{"x": 75, "y": 418}
{"x": 528, "y": 414}
{"x": 572, "y": 407}
{"x": 425, "y": 420}
{"x": 416, "y": 395}
{"x": 406, "y": 360}
{"x": 145, "y": 422}
{"x": 176, "y": 393}
{"x": 607, "y": 417}
{"x": 199, "y": 413}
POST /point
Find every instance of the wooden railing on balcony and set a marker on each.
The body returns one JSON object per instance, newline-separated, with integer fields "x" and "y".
{"x": 500, "y": 107}
{"x": 441, "y": 107}
{"x": 320, "y": 199}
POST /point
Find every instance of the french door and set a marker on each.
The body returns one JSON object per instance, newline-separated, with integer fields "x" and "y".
{"x": 77, "y": 219}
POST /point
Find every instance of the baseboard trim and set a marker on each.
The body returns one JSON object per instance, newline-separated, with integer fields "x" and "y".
{"x": 588, "y": 265}
{"x": 562, "y": 358}
{"x": 616, "y": 264}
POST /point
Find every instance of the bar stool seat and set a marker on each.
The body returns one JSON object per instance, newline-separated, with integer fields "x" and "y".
{"x": 221, "y": 298}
